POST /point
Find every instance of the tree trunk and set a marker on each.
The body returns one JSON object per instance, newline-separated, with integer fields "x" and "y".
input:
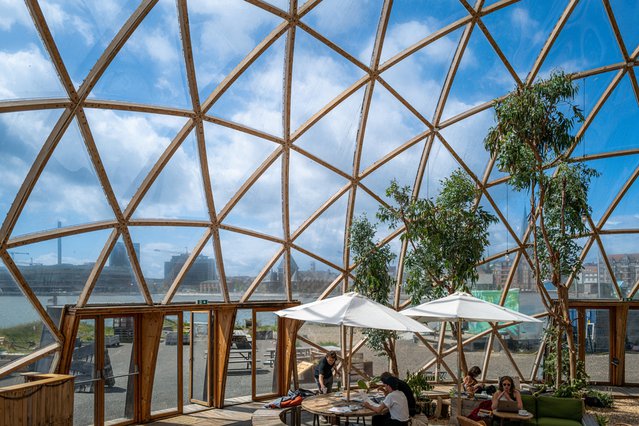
{"x": 392, "y": 358}
{"x": 566, "y": 327}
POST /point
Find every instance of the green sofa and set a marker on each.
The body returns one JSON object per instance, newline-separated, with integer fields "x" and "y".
{"x": 551, "y": 411}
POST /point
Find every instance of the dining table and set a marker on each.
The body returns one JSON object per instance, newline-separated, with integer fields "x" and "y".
{"x": 520, "y": 416}
{"x": 334, "y": 406}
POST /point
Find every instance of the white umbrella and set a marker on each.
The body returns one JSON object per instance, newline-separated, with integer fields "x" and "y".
{"x": 460, "y": 307}
{"x": 353, "y": 310}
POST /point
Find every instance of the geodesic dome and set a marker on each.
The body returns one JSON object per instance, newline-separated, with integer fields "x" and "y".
{"x": 167, "y": 152}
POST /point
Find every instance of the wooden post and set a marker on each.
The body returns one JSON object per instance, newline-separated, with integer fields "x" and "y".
{"x": 150, "y": 341}
{"x": 223, "y": 337}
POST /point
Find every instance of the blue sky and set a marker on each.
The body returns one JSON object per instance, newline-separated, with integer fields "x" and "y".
{"x": 150, "y": 69}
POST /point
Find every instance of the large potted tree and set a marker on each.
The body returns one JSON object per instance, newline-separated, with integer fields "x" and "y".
{"x": 531, "y": 141}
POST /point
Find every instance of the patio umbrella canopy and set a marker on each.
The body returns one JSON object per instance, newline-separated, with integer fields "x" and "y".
{"x": 459, "y": 307}
{"x": 353, "y": 310}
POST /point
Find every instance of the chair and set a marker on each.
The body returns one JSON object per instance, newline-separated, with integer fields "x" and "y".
{"x": 465, "y": 421}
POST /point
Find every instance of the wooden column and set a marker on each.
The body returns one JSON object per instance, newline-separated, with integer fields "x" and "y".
{"x": 288, "y": 329}
{"x": 151, "y": 331}
{"x": 618, "y": 348}
{"x": 222, "y": 339}
{"x": 69, "y": 329}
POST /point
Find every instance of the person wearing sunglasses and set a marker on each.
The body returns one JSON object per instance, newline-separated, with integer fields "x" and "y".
{"x": 508, "y": 392}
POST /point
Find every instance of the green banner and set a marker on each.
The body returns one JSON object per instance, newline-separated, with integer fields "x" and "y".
{"x": 493, "y": 296}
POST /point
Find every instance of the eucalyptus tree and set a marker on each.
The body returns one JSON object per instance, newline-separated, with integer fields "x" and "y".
{"x": 373, "y": 280}
{"x": 531, "y": 141}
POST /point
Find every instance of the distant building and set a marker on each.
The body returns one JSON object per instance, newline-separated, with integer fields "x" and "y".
{"x": 201, "y": 271}
{"x": 119, "y": 257}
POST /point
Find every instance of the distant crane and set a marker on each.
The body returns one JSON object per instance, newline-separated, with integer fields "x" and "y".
{"x": 14, "y": 253}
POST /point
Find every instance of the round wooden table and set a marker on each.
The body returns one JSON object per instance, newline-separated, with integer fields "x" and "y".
{"x": 322, "y": 404}
{"x": 502, "y": 415}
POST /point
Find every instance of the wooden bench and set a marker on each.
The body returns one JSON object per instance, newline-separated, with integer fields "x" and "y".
{"x": 277, "y": 416}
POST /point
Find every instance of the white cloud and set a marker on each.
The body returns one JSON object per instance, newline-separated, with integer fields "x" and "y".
{"x": 27, "y": 73}
{"x": 14, "y": 12}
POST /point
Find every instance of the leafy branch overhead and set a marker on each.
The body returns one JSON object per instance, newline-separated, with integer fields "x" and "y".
{"x": 446, "y": 237}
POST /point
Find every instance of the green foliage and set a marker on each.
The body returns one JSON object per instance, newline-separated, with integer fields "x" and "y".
{"x": 580, "y": 382}
{"x": 605, "y": 399}
{"x": 446, "y": 236}
{"x": 21, "y": 338}
{"x": 417, "y": 383}
{"x": 602, "y": 419}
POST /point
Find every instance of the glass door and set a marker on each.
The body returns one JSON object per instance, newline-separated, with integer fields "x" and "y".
{"x": 199, "y": 357}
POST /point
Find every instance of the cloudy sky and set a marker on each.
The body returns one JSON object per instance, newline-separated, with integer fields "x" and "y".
{"x": 150, "y": 69}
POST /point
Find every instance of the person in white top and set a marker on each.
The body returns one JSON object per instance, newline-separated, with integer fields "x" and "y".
{"x": 396, "y": 404}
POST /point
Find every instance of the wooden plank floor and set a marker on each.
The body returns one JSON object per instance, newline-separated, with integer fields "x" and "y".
{"x": 237, "y": 415}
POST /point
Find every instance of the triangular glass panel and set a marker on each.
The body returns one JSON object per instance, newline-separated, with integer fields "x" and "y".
{"x": 242, "y": 25}
{"x": 348, "y": 25}
{"x": 149, "y": 68}
{"x": 130, "y": 143}
{"x": 390, "y": 124}
{"x": 333, "y": 137}
{"x": 23, "y": 331}
{"x": 586, "y": 41}
{"x": 325, "y": 236}
{"x": 305, "y": 174}
{"x": 581, "y": 285}
{"x": 411, "y": 22}
{"x": 265, "y": 193}
{"x": 117, "y": 283}
{"x": 83, "y": 30}
{"x": 622, "y": 251}
{"x": 244, "y": 257}
{"x": 365, "y": 205}
{"x": 57, "y": 269}
{"x": 396, "y": 169}
{"x": 499, "y": 239}
{"x": 589, "y": 90}
{"x": 627, "y": 15}
{"x": 614, "y": 172}
{"x": 481, "y": 77}
{"x": 615, "y": 125}
{"x": 311, "y": 278}
{"x": 521, "y": 31}
{"x": 209, "y": 287}
{"x": 67, "y": 192}
{"x": 625, "y": 216}
{"x": 26, "y": 70}
{"x": 255, "y": 98}
{"x": 466, "y": 138}
{"x": 419, "y": 78}
{"x": 163, "y": 252}
{"x": 319, "y": 75}
{"x": 438, "y": 167}
{"x": 273, "y": 286}
{"x": 178, "y": 192}
{"x": 232, "y": 157}
{"x": 514, "y": 206}
{"x": 23, "y": 134}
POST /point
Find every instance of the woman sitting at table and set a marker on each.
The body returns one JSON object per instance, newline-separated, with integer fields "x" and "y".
{"x": 471, "y": 385}
{"x": 507, "y": 392}
{"x": 395, "y": 402}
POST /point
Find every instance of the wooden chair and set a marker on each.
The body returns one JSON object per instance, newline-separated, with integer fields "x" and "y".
{"x": 465, "y": 421}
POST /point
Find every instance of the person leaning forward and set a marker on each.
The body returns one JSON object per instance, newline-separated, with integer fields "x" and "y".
{"x": 324, "y": 373}
{"x": 395, "y": 402}
{"x": 406, "y": 390}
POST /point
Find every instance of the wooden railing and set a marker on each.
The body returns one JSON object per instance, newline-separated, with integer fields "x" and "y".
{"x": 46, "y": 399}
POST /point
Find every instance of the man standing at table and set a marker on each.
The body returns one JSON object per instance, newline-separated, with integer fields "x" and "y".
{"x": 324, "y": 372}
{"x": 395, "y": 402}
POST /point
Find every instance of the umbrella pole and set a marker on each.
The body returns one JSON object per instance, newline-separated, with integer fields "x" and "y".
{"x": 459, "y": 358}
{"x": 347, "y": 379}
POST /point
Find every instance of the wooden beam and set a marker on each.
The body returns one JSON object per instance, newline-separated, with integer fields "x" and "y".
{"x": 151, "y": 331}
{"x": 223, "y": 339}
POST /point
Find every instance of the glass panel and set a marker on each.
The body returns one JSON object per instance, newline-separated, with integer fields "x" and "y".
{"x": 178, "y": 192}
{"x": 265, "y": 353}
{"x": 325, "y": 335}
{"x": 150, "y": 66}
{"x": 306, "y": 174}
{"x": 127, "y": 163}
{"x": 186, "y": 357}
{"x": 312, "y": 277}
{"x": 244, "y": 258}
{"x": 116, "y": 283}
{"x": 166, "y": 368}
{"x": 266, "y": 193}
{"x": 319, "y": 75}
{"x": 273, "y": 286}
{"x": 255, "y": 98}
{"x": 243, "y": 27}
{"x": 120, "y": 369}
{"x": 598, "y": 344}
{"x": 480, "y": 78}
{"x": 84, "y": 369}
{"x": 200, "y": 355}
{"x": 632, "y": 347}
{"x": 26, "y": 71}
{"x": 83, "y": 29}
{"x": 622, "y": 252}
{"x": 377, "y": 144}
{"x": 57, "y": 269}
{"x": 163, "y": 252}
{"x": 626, "y": 16}
{"x": 624, "y": 216}
{"x": 333, "y": 137}
{"x": 202, "y": 279}
{"x": 239, "y": 375}
{"x": 347, "y": 24}
{"x": 68, "y": 191}
{"x": 325, "y": 236}
{"x": 410, "y": 22}
{"x": 440, "y": 164}
{"x": 22, "y": 136}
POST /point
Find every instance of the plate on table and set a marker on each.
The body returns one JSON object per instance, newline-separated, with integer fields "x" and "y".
{"x": 523, "y": 412}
